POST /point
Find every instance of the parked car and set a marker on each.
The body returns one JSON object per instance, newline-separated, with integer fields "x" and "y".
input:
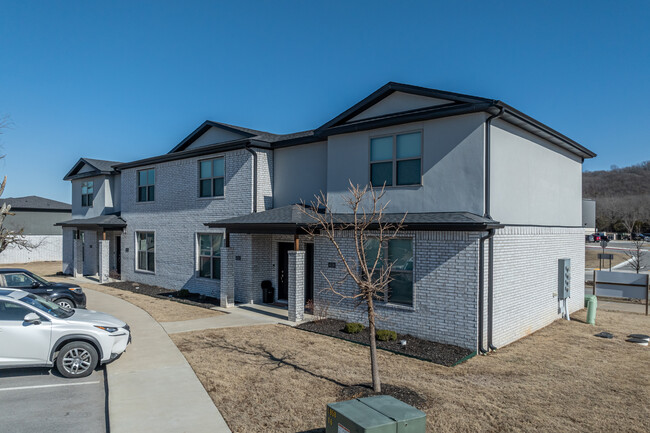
{"x": 636, "y": 236}
{"x": 646, "y": 236}
{"x": 35, "y": 332}
{"x": 65, "y": 294}
{"x": 595, "y": 237}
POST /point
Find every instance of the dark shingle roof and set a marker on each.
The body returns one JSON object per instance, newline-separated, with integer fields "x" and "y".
{"x": 105, "y": 221}
{"x": 35, "y": 202}
{"x": 100, "y": 166}
{"x": 292, "y": 219}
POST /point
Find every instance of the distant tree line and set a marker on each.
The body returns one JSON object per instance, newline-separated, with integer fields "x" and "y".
{"x": 622, "y": 197}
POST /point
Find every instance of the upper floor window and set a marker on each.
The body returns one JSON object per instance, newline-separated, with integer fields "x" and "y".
{"x": 146, "y": 254}
{"x": 146, "y": 184}
{"x": 399, "y": 252}
{"x": 396, "y": 160}
{"x": 211, "y": 177}
{"x": 87, "y": 193}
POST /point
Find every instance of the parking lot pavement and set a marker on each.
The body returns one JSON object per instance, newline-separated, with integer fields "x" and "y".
{"x": 39, "y": 399}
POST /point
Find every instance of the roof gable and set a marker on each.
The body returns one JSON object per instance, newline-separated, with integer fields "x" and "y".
{"x": 394, "y": 98}
{"x": 87, "y": 167}
{"x": 213, "y": 133}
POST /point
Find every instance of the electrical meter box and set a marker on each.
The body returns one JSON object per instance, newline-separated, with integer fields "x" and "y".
{"x": 564, "y": 279}
{"x": 379, "y": 414}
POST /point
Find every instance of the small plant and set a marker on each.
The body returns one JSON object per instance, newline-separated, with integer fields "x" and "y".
{"x": 183, "y": 293}
{"x": 353, "y": 328}
{"x": 114, "y": 275}
{"x": 386, "y": 335}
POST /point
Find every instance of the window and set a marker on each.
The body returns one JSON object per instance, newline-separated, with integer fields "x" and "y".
{"x": 399, "y": 252}
{"x": 146, "y": 181}
{"x": 146, "y": 259}
{"x": 211, "y": 177}
{"x": 396, "y": 160}
{"x": 210, "y": 256}
{"x": 87, "y": 194}
{"x": 18, "y": 280}
{"x": 10, "y": 311}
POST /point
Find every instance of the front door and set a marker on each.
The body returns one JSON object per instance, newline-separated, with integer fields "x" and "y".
{"x": 118, "y": 254}
{"x": 283, "y": 270}
{"x": 309, "y": 272}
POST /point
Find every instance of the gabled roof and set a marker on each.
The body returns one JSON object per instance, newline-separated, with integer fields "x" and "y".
{"x": 98, "y": 166}
{"x": 33, "y": 202}
{"x": 291, "y": 219}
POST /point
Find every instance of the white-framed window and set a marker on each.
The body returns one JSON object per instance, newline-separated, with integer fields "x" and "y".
{"x": 146, "y": 185}
{"x": 399, "y": 252}
{"x": 87, "y": 194}
{"x": 210, "y": 255}
{"x": 396, "y": 160}
{"x": 145, "y": 251}
{"x": 212, "y": 174}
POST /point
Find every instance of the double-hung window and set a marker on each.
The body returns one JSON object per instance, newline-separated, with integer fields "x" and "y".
{"x": 210, "y": 255}
{"x": 87, "y": 193}
{"x": 146, "y": 255}
{"x": 211, "y": 177}
{"x": 146, "y": 185}
{"x": 399, "y": 253}
{"x": 396, "y": 160}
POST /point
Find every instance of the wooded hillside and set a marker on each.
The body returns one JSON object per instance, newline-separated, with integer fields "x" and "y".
{"x": 622, "y": 197}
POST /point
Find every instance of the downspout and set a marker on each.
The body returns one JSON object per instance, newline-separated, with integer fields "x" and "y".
{"x": 490, "y": 237}
{"x": 252, "y": 152}
{"x": 481, "y": 287}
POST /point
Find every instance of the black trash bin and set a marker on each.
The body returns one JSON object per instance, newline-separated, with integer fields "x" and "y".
{"x": 267, "y": 292}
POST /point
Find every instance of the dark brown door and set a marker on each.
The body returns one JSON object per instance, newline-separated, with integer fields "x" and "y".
{"x": 118, "y": 254}
{"x": 309, "y": 272}
{"x": 283, "y": 269}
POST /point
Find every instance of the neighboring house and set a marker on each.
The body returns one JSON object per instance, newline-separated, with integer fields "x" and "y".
{"x": 589, "y": 215}
{"x": 36, "y": 217}
{"x": 493, "y": 200}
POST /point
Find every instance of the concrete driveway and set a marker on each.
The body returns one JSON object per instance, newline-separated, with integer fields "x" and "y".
{"x": 39, "y": 399}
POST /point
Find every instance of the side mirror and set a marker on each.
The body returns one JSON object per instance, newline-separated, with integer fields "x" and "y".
{"x": 32, "y": 318}
{"x": 35, "y": 284}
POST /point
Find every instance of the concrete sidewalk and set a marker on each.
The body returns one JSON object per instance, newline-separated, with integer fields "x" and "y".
{"x": 152, "y": 388}
{"x": 241, "y": 315}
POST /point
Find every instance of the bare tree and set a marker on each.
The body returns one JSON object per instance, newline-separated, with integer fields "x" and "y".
{"x": 636, "y": 255}
{"x": 365, "y": 266}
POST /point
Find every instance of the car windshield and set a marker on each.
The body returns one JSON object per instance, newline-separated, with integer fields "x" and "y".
{"x": 39, "y": 279}
{"x": 47, "y": 306}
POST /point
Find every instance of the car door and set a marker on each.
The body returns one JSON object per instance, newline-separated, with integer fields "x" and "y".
{"x": 23, "y": 281}
{"x": 22, "y": 343}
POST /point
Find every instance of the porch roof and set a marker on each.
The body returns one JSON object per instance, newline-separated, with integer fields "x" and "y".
{"x": 113, "y": 221}
{"x": 291, "y": 220}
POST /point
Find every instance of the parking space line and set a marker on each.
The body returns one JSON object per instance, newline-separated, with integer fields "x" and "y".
{"x": 18, "y": 388}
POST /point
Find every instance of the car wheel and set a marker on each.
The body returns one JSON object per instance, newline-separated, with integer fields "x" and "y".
{"x": 65, "y": 303}
{"x": 77, "y": 359}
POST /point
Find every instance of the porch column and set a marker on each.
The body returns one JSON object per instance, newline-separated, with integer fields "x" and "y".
{"x": 104, "y": 253}
{"x": 77, "y": 258}
{"x": 296, "y": 286}
{"x": 227, "y": 296}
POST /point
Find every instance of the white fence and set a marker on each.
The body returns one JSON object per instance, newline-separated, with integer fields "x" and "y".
{"x": 50, "y": 248}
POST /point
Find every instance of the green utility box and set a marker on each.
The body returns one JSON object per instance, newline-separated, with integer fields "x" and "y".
{"x": 379, "y": 414}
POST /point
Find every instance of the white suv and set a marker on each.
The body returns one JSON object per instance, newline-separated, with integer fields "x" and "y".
{"x": 35, "y": 332}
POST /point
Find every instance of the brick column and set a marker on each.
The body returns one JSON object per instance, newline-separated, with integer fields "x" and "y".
{"x": 227, "y": 295}
{"x": 104, "y": 252}
{"x": 296, "y": 286}
{"x": 77, "y": 258}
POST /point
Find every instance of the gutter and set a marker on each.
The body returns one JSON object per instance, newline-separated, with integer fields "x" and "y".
{"x": 252, "y": 152}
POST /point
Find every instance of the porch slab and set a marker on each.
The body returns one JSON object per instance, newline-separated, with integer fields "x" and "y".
{"x": 238, "y": 316}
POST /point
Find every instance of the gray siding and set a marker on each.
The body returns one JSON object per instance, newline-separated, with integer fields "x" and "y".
{"x": 300, "y": 172}
{"x": 36, "y": 222}
{"x": 213, "y": 136}
{"x": 104, "y": 202}
{"x": 452, "y": 163}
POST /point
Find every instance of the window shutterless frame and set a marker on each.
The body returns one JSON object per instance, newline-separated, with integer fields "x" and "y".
{"x": 146, "y": 252}
{"x": 146, "y": 187}
{"x": 395, "y": 160}
{"x": 87, "y": 193}
{"x": 210, "y": 255}
{"x": 212, "y": 181}
{"x": 395, "y": 271}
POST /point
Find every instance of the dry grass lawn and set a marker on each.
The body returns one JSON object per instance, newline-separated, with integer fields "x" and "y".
{"x": 592, "y": 262}
{"x": 561, "y": 378}
{"x": 161, "y": 310}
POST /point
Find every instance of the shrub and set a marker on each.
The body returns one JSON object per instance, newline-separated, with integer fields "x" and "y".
{"x": 386, "y": 335}
{"x": 183, "y": 293}
{"x": 353, "y": 328}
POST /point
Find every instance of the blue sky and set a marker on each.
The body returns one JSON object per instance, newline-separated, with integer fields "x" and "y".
{"x": 123, "y": 80}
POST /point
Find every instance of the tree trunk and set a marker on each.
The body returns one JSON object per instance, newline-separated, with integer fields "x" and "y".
{"x": 376, "y": 383}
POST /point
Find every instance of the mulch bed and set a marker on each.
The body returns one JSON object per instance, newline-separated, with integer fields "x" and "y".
{"x": 402, "y": 393}
{"x": 194, "y": 299}
{"x": 438, "y": 353}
